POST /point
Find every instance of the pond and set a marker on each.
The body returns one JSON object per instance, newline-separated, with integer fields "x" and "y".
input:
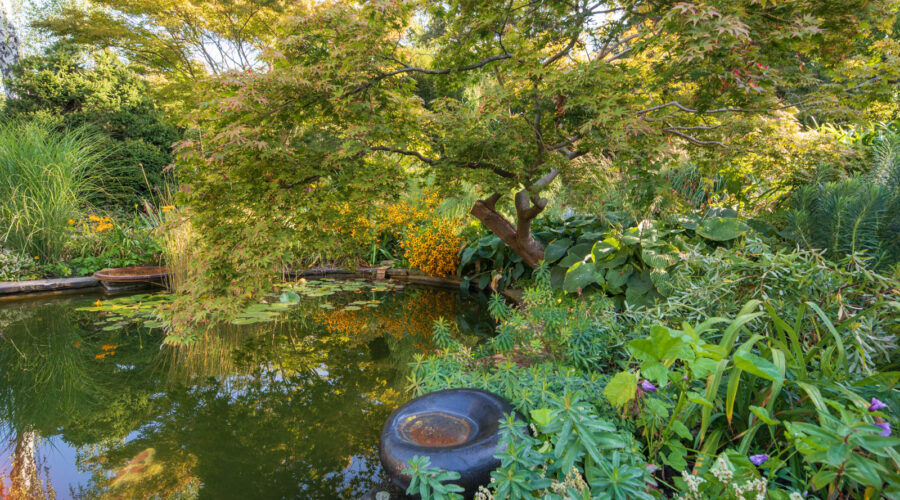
{"x": 92, "y": 406}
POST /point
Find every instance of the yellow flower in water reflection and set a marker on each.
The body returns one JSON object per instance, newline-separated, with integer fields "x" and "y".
{"x": 108, "y": 347}
{"x": 98, "y": 303}
{"x": 100, "y": 356}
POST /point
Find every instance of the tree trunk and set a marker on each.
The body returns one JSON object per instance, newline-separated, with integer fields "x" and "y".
{"x": 518, "y": 237}
{"x": 9, "y": 49}
{"x": 25, "y": 481}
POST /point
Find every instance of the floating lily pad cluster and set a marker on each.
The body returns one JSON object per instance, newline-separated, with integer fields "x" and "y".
{"x": 144, "y": 309}
{"x": 135, "y": 309}
{"x": 293, "y": 293}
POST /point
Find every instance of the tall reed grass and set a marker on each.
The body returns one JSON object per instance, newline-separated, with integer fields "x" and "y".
{"x": 45, "y": 177}
{"x": 179, "y": 241}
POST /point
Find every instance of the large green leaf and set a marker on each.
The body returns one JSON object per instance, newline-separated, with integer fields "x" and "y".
{"x": 617, "y": 277}
{"x": 662, "y": 346}
{"x": 606, "y": 249}
{"x": 621, "y": 389}
{"x": 576, "y": 254}
{"x": 722, "y": 228}
{"x": 467, "y": 255}
{"x": 660, "y": 257}
{"x": 640, "y": 283}
{"x": 756, "y": 365}
{"x": 556, "y": 250}
{"x": 581, "y": 275}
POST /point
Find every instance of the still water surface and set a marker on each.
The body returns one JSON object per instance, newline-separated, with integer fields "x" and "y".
{"x": 290, "y": 409}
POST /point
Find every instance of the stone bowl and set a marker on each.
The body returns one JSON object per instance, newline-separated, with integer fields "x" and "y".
{"x": 458, "y": 429}
{"x": 124, "y": 279}
{"x": 138, "y": 274}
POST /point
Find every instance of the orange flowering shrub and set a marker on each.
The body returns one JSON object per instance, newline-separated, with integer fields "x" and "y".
{"x": 411, "y": 228}
{"x": 358, "y": 227}
{"x": 401, "y": 216}
{"x": 98, "y": 224}
{"x": 434, "y": 248}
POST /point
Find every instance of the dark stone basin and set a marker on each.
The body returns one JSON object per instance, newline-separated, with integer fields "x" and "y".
{"x": 152, "y": 274}
{"x": 457, "y": 429}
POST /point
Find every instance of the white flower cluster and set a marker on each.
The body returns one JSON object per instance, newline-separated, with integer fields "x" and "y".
{"x": 483, "y": 494}
{"x": 722, "y": 470}
{"x": 573, "y": 480}
{"x": 693, "y": 483}
{"x": 757, "y": 485}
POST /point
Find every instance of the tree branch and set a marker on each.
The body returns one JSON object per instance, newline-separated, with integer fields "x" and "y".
{"x": 406, "y": 152}
{"x": 698, "y": 127}
{"x": 491, "y": 201}
{"x": 693, "y": 139}
{"x": 544, "y": 181}
{"x": 572, "y": 154}
{"x": 689, "y": 110}
{"x": 565, "y": 50}
{"x": 475, "y": 165}
{"x": 415, "y": 69}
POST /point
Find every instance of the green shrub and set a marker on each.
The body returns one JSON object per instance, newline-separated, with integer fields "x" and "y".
{"x": 45, "y": 178}
{"x": 723, "y": 385}
{"x": 96, "y": 243}
{"x": 74, "y": 88}
{"x": 855, "y": 216}
{"x": 851, "y": 217}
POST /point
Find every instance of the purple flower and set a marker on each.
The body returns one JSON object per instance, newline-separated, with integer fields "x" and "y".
{"x": 885, "y": 428}
{"x": 647, "y": 386}
{"x": 759, "y": 459}
{"x": 877, "y": 405}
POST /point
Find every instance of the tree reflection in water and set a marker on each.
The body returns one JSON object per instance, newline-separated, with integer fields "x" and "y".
{"x": 274, "y": 410}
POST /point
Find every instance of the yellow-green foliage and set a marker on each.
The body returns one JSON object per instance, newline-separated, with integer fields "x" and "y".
{"x": 778, "y": 153}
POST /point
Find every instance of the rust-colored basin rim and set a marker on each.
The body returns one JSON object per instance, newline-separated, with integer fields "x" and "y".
{"x": 132, "y": 274}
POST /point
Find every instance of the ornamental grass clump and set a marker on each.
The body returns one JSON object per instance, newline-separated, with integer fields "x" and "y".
{"x": 45, "y": 178}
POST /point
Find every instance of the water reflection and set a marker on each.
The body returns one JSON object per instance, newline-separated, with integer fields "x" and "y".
{"x": 279, "y": 410}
